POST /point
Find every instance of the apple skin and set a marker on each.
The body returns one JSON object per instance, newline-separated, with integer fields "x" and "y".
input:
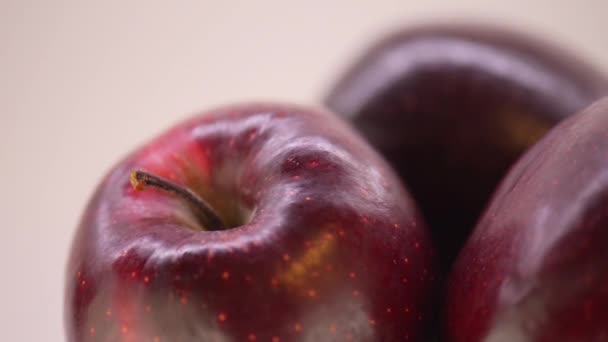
{"x": 536, "y": 266}
{"x": 453, "y": 106}
{"x": 326, "y": 244}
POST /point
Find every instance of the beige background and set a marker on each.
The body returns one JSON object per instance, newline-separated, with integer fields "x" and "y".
{"x": 83, "y": 82}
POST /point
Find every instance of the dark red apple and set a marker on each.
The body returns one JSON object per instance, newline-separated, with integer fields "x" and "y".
{"x": 536, "y": 266}
{"x": 251, "y": 223}
{"x": 452, "y": 107}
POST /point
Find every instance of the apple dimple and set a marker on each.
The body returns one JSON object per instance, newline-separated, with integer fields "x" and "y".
{"x": 186, "y": 162}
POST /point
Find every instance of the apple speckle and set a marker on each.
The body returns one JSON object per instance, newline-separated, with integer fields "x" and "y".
{"x": 221, "y": 317}
{"x": 210, "y": 256}
{"x": 252, "y": 134}
{"x": 225, "y": 275}
{"x": 297, "y": 327}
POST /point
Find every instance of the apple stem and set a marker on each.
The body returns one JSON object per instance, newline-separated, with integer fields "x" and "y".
{"x": 206, "y": 215}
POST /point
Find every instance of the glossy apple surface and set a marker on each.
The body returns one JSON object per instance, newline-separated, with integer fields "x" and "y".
{"x": 452, "y": 107}
{"x": 322, "y": 244}
{"x": 536, "y": 266}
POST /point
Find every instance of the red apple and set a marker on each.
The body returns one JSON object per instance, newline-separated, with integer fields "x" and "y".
{"x": 251, "y": 223}
{"x": 452, "y": 107}
{"x": 536, "y": 266}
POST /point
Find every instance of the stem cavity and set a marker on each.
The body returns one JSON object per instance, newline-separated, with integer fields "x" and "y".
{"x": 205, "y": 214}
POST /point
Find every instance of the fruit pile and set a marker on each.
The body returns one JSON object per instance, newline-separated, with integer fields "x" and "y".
{"x": 463, "y": 197}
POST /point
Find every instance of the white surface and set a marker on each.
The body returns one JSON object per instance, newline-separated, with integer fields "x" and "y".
{"x": 84, "y": 82}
